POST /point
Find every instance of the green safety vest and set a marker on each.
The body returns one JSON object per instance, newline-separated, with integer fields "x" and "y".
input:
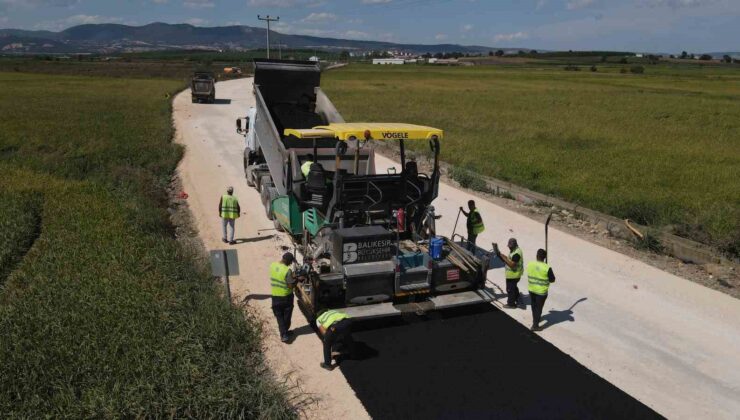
{"x": 477, "y": 227}
{"x": 330, "y": 317}
{"x": 306, "y": 168}
{"x": 229, "y": 207}
{"x": 539, "y": 283}
{"x": 518, "y": 270}
{"x": 278, "y": 273}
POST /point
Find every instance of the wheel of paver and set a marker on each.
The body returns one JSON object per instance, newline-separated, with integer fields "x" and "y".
{"x": 273, "y": 194}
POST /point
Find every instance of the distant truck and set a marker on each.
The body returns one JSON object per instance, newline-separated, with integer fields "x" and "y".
{"x": 203, "y": 87}
{"x": 232, "y": 71}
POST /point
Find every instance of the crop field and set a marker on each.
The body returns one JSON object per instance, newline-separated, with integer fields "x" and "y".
{"x": 102, "y": 312}
{"x": 661, "y": 148}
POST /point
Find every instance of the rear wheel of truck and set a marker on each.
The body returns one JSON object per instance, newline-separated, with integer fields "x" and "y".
{"x": 265, "y": 182}
{"x": 267, "y": 195}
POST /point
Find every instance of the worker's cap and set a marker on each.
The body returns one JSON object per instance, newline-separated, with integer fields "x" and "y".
{"x": 288, "y": 257}
{"x": 230, "y": 190}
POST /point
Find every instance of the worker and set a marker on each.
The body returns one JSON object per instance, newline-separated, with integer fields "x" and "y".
{"x": 282, "y": 283}
{"x": 229, "y": 210}
{"x": 513, "y": 271}
{"x": 335, "y": 327}
{"x": 306, "y": 167}
{"x": 475, "y": 224}
{"x": 539, "y": 277}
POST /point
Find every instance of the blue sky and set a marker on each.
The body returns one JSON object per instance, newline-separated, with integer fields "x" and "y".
{"x": 634, "y": 25}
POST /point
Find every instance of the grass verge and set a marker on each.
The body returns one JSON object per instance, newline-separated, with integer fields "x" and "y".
{"x": 106, "y": 315}
{"x": 661, "y": 148}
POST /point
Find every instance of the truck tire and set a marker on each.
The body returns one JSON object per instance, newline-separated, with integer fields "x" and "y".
{"x": 265, "y": 182}
{"x": 250, "y": 174}
{"x": 270, "y": 193}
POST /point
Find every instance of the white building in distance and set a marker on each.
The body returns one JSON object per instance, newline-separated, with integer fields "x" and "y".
{"x": 388, "y": 60}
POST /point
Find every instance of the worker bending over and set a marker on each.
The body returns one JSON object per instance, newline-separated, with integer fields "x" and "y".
{"x": 513, "y": 271}
{"x": 539, "y": 276}
{"x": 335, "y": 327}
{"x": 475, "y": 224}
{"x": 282, "y": 283}
{"x": 229, "y": 210}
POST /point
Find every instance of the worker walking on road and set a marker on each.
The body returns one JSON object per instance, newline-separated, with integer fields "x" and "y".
{"x": 229, "y": 210}
{"x": 282, "y": 283}
{"x": 539, "y": 276}
{"x": 335, "y": 327}
{"x": 513, "y": 271}
{"x": 475, "y": 224}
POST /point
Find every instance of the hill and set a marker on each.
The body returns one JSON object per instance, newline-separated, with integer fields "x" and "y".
{"x": 107, "y": 38}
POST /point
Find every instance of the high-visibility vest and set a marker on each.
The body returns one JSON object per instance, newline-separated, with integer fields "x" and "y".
{"x": 278, "y": 274}
{"x": 229, "y": 207}
{"x": 330, "y": 317}
{"x": 537, "y": 271}
{"x": 306, "y": 168}
{"x": 518, "y": 270}
{"x": 476, "y": 227}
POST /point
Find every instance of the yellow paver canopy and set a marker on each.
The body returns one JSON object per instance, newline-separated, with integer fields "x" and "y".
{"x": 378, "y": 131}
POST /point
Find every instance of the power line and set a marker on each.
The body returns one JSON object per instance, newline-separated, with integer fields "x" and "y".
{"x": 268, "y": 19}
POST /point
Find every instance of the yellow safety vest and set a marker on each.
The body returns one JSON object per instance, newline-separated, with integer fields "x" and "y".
{"x": 518, "y": 270}
{"x": 229, "y": 207}
{"x": 478, "y": 226}
{"x": 306, "y": 168}
{"x": 330, "y": 317}
{"x": 539, "y": 283}
{"x": 278, "y": 274}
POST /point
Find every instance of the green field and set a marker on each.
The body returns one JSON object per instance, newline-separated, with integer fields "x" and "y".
{"x": 102, "y": 312}
{"x": 661, "y": 148}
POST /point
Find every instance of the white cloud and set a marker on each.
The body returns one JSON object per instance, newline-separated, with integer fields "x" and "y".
{"x": 322, "y": 17}
{"x": 30, "y": 4}
{"x": 196, "y": 21}
{"x": 578, "y": 4}
{"x": 285, "y": 3}
{"x": 441, "y": 37}
{"x": 676, "y": 4}
{"x": 198, "y": 4}
{"x": 159, "y": 1}
{"x": 376, "y": 1}
{"x": 510, "y": 37}
{"x": 467, "y": 28}
{"x": 61, "y": 24}
{"x": 541, "y": 4}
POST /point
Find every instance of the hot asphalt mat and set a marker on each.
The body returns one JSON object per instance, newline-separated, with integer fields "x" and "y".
{"x": 475, "y": 362}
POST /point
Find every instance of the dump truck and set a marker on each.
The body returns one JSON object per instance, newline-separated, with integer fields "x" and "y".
{"x": 368, "y": 239}
{"x": 203, "y": 87}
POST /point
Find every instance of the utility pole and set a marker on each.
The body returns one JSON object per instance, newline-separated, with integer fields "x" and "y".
{"x": 268, "y": 19}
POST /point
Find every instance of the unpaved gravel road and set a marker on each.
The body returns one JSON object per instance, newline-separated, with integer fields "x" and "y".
{"x": 672, "y": 344}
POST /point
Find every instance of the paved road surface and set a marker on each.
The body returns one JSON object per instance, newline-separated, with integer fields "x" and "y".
{"x": 670, "y": 343}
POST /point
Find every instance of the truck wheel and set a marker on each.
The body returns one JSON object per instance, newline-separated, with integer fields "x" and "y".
{"x": 193, "y": 100}
{"x": 270, "y": 194}
{"x": 265, "y": 182}
{"x": 249, "y": 173}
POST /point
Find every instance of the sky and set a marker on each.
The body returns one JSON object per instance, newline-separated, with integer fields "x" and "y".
{"x": 626, "y": 25}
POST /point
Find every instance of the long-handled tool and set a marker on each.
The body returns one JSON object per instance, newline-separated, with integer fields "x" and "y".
{"x": 456, "y": 219}
{"x": 547, "y": 224}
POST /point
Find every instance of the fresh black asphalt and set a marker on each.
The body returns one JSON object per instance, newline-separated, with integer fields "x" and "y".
{"x": 475, "y": 362}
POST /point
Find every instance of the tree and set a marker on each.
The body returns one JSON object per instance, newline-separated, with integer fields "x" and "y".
{"x": 499, "y": 53}
{"x": 705, "y": 57}
{"x": 438, "y": 56}
{"x": 533, "y": 52}
{"x": 521, "y": 52}
{"x": 490, "y": 53}
{"x": 726, "y": 58}
{"x": 603, "y": 59}
{"x": 684, "y": 55}
{"x": 344, "y": 56}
